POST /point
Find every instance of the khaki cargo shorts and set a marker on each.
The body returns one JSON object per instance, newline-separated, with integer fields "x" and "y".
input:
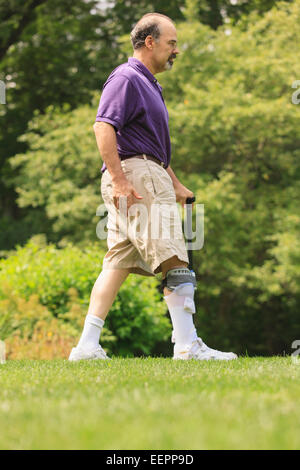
{"x": 152, "y": 231}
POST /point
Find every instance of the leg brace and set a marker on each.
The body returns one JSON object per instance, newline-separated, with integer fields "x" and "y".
{"x": 182, "y": 282}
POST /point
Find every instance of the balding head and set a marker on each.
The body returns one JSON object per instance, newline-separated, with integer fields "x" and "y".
{"x": 150, "y": 24}
{"x": 154, "y": 41}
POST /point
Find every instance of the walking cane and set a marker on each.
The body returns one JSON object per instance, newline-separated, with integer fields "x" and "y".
{"x": 189, "y": 236}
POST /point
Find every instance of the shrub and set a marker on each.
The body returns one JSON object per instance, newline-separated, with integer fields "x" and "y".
{"x": 44, "y": 296}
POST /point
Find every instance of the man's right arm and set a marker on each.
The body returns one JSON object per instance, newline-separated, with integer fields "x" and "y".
{"x": 107, "y": 145}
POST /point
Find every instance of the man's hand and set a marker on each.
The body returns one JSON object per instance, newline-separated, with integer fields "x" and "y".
{"x": 182, "y": 193}
{"x": 107, "y": 144}
{"x": 123, "y": 188}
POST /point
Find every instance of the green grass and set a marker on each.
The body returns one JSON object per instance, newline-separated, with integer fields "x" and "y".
{"x": 251, "y": 403}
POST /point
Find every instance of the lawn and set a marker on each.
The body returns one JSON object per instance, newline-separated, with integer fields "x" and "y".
{"x": 250, "y": 403}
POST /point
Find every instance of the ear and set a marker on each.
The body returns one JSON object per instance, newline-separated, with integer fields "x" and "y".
{"x": 149, "y": 42}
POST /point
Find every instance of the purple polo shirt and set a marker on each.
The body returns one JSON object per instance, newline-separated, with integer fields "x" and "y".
{"x": 132, "y": 102}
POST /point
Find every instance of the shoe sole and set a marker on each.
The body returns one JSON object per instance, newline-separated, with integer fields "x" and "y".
{"x": 204, "y": 359}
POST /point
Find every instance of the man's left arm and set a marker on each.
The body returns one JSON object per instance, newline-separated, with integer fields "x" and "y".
{"x": 181, "y": 191}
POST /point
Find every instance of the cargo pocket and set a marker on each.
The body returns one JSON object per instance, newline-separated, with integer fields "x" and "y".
{"x": 106, "y": 188}
{"x": 149, "y": 184}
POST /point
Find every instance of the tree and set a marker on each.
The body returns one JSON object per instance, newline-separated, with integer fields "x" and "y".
{"x": 50, "y": 63}
{"x": 14, "y": 18}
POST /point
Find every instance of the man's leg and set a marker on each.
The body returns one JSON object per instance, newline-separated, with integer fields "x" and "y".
{"x": 105, "y": 290}
{"x": 181, "y": 306}
{"x": 102, "y": 297}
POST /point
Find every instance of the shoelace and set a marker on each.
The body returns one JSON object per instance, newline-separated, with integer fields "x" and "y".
{"x": 202, "y": 345}
{"x": 204, "y": 348}
{"x": 102, "y": 351}
{"x": 199, "y": 347}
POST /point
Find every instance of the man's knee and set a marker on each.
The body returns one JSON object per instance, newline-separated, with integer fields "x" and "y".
{"x": 171, "y": 263}
{"x": 176, "y": 277}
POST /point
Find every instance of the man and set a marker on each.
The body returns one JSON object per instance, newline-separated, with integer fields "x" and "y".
{"x": 132, "y": 134}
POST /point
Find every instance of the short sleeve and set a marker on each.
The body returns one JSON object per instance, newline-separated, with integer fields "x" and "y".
{"x": 117, "y": 104}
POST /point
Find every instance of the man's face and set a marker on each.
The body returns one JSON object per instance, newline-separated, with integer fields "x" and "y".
{"x": 165, "y": 50}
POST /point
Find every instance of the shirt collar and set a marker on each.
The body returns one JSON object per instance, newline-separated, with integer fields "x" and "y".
{"x": 138, "y": 65}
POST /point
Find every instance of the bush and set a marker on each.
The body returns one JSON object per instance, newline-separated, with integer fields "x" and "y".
{"x": 30, "y": 329}
{"x": 44, "y": 296}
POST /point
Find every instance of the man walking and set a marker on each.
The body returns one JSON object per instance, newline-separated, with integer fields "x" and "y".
{"x": 133, "y": 138}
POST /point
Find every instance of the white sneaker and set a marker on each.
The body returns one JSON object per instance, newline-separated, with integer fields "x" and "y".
{"x": 200, "y": 351}
{"x": 77, "y": 354}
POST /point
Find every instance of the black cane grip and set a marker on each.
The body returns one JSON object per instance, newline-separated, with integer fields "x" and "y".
{"x": 190, "y": 200}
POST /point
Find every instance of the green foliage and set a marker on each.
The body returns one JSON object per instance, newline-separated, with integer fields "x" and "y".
{"x": 57, "y": 283}
{"x": 248, "y": 270}
{"x": 230, "y": 98}
{"x": 61, "y": 172}
{"x": 19, "y": 315}
{"x": 30, "y": 330}
{"x": 49, "y": 60}
{"x": 138, "y": 318}
{"x": 38, "y": 268}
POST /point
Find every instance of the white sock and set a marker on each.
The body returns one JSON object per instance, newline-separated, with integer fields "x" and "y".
{"x": 181, "y": 308}
{"x": 91, "y": 332}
